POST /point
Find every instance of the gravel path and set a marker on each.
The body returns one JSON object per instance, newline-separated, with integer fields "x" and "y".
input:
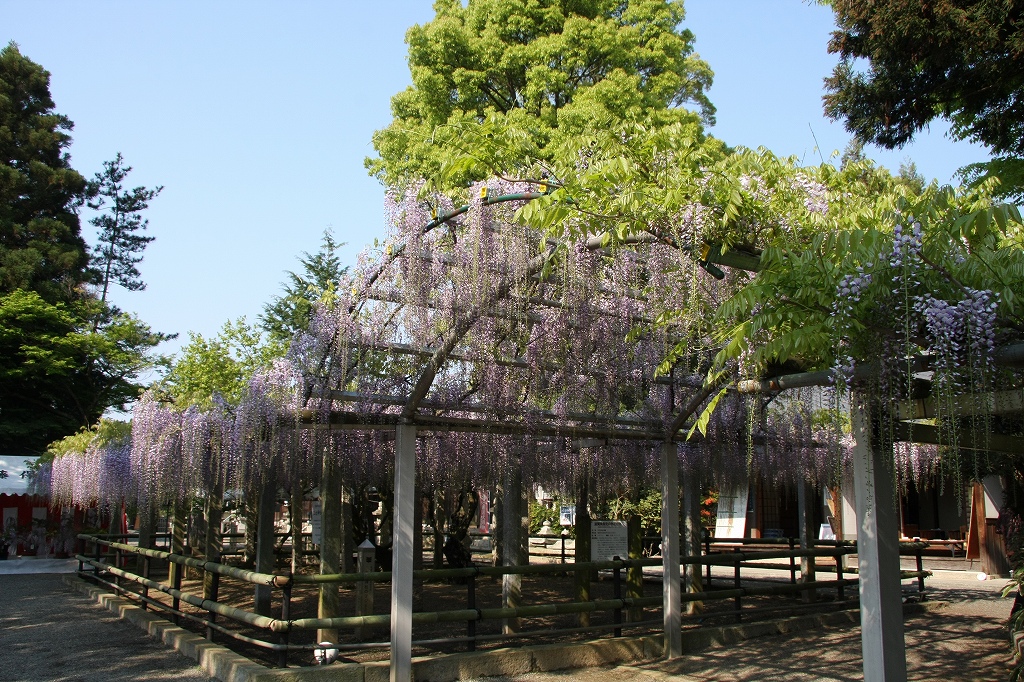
{"x": 49, "y": 632}
{"x": 964, "y": 641}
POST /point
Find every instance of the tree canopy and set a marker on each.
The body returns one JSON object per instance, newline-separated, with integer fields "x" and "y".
{"x": 289, "y": 312}
{"x": 41, "y": 248}
{"x": 218, "y": 368}
{"x": 960, "y": 61}
{"x": 555, "y": 68}
{"x": 66, "y": 354}
{"x": 120, "y": 241}
{"x": 57, "y": 374}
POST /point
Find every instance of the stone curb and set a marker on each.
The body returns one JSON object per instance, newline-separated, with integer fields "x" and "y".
{"x": 225, "y": 665}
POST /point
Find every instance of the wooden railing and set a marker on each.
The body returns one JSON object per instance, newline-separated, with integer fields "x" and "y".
{"x": 106, "y": 564}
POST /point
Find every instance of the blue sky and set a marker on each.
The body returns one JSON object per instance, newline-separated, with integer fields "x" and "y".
{"x": 256, "y": 118}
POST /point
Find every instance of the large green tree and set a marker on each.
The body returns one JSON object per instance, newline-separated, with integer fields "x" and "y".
{"x": 961, "y": 61}
{"x": 551, "y": 68}
{"x": 220, "y": 366}
{"x": 41, "y": 248}
{"x": 57, "y": 374}
{"x": 66, "y": 354}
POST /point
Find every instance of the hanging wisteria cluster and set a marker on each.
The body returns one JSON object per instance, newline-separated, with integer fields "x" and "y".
{"x": 513, "y": 353}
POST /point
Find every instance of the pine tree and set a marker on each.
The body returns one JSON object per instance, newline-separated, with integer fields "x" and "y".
{"x": 41, "y": 248}
{"x": 120, "y": 241}
{"x": 290, "y": 312}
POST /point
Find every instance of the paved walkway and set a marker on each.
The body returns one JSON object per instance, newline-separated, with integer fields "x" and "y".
{"x": 49, "y": 632}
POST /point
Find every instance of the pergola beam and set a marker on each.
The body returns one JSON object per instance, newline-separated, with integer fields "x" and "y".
{"x": 593, "y": 419}
{"x": 967, "y": 438}
{"x": 1001, "y": 402}
{"x": 356, "y": 421}
{"x": 1004, "y": 356}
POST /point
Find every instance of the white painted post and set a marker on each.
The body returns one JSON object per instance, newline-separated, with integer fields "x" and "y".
{"x": 691, "y": 544}
{"x": 878, "y": 556}
{"x": 806, "y": 499}
{"x": 514, "y": 506}
{"x": 671, "y": 592}
{"x": 402, "y": 548}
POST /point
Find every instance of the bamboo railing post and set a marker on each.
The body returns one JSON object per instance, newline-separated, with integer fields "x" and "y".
{"x": 840, "y": 592}
{"x": 617, "y": 587}
{"x": 805, "y": 510}
{"x": 635, "y": 572}
{"x": 514, "y": 540}
{"x": 176, "y": 584}
{"x": 177, "y": 540}
{"x": 707, "y": 552}
{"x": 471, "y": 605}
{"x": 286, "y": 615}
{"x": 145, "y": 588}
{"x": 265, "y": 540}
{"x": 583, "y": 555}
{"x": 792, "y": 565}
{"x": 738, "y": 584}
{"x": 920, "y": 572}
{"x": 691, "y": 539}
{"x": 214, "y": 594}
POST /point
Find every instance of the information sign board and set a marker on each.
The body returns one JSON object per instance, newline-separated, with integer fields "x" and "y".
{"x": 608, "y": 539}
{"x": 314, "y": 522}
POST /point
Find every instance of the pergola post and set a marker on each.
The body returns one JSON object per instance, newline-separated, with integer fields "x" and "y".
{"x": 805, "y": 513}
{"x": 514, "y": 547}
{"x": 214, "y": 535}
{"x": 329, "y": 599}
{"x": 878, "y": 555}
{"x": 402, "y": 549}
{"x": 671, "y": 592}
{"x": 691, "y": 539}
{"x": 265, "y": 540}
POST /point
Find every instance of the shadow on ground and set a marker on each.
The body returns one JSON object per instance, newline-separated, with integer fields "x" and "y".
{"x": 50, "y": 633}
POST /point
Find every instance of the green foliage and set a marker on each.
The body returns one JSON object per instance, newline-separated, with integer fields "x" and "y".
{"x": 66, "y": 355}
{"x": 959, "y": 61}
{"x": 219, "y": 366}
{"x": 58, "y": 374}
{"x": 102, "y": 432}
{"x": 289, "y": 312}
{"x": 539, "y": 514}
{"x": 646, "y": 505}
{"x": 1007, "y": 171}
{"x": 41, "y": 248}
{"x": 119, "y": 243}
{"x": 549, "y": 70}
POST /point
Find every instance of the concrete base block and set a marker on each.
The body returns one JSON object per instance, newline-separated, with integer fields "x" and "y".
{"x": 587, "y": 654}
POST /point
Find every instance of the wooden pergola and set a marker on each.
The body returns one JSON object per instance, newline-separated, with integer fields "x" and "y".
{"x": 414, "y": 413}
